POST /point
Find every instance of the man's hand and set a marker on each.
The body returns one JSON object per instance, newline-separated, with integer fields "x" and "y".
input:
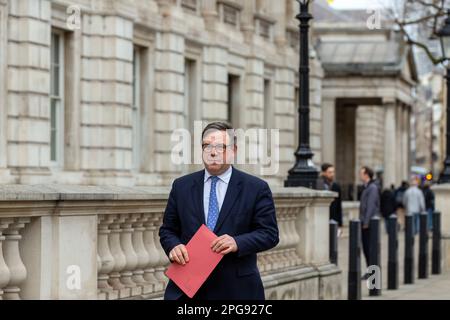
{"x": 179, "y": 254}
{"x": 365, "y": 226}
{"x": 224, "y": 244}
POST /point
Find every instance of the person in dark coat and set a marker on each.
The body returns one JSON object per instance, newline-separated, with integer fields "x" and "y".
{"x": 387, "y": 204}
{"x": 327, "y": 182}
{"x": 369, "y": 208}
{"x": 429, "y": 203}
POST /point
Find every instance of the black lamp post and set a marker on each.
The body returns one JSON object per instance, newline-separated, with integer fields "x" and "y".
{"x": 444, "y": 34}
{"x": 303, "y": 173}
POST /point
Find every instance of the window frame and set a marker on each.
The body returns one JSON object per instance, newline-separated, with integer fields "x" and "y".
{"x": 60, "y": 114}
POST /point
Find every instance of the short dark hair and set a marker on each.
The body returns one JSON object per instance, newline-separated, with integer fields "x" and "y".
{"x": 326, "y": 166}
{"x": 368, "y": 171}
{"x": 220, "y": 126}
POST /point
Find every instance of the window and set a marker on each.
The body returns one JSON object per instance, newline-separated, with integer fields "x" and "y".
{"x": 57, "y": 98}
{"x": 233, "y": 99}
{"x": 136, "y": 108}
{"x": 190, "y": 88}
{"x": 268, "y": 115}
{"x": 230, "y": 12}
{"x": 189, "y": 5}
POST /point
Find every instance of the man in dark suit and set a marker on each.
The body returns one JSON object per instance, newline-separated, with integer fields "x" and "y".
{"x": 236, "y": 206}
{"x": 327, "y": 182}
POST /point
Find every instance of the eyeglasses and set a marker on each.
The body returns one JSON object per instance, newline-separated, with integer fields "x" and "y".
{"x": 220, "y": 148}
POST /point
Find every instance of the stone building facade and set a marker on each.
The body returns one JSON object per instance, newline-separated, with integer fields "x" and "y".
{"x": 91, "y": 90}
{"x": 368, "y": 97}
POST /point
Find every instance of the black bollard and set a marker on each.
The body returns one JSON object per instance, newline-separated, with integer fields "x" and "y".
{"x": 436, "y": 250}
{"x": 354, "y": 269}
{"x": 333, "y": 242}
{"x": 393, "y": 253}
{"x": 409, "y": 249}
{"x": 423, "y": 246}
{"x": 374, "y": 256}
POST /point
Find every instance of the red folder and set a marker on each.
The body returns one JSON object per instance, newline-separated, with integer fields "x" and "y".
{"x": 202, "y": 261}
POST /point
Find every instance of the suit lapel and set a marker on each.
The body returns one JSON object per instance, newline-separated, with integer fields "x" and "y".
{"x": 197, "y": 193}
{"x": 231, "y": 196}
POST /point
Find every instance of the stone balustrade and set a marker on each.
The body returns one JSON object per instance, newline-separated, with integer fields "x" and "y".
{"x": 86, "y": 242}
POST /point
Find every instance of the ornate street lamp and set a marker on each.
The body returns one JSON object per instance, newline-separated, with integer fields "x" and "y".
{"x": 303, "y": 173}
{"x": 444, "y": 34}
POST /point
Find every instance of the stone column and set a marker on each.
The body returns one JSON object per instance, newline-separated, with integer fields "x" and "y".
{"x": 390, "y": 146}
{"x": 28, "y": 89}
{"x": 406, "y": 142}
{"x": 315, "y": 115}
{"x": 277, "y": 10}
{"x": 106, "y": 95}
{"x": 285, "y": 117}
{"x": 4, "y": 172}
{"x": 5, "y": 274}
{"x": 106, "y": 258}
{"x": 13, "y": 259}
{"x": 329, "y": 129}
{"x": 150, "y": 246}
{"x": 72, "y": 105}
{"x": 209, "y": 13}
{"x": 169, "y": 107}
{"x": 247, "y": 20}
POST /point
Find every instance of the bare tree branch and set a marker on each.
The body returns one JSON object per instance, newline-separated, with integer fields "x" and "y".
{"x": 421, "y": 45}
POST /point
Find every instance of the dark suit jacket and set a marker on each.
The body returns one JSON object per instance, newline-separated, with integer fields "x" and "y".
{"x": 247, "y": 214}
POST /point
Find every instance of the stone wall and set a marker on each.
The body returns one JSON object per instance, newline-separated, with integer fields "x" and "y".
{"x": 86, "y": 242}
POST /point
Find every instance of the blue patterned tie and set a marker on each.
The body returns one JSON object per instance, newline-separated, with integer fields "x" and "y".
{"x": 213, "y": 209}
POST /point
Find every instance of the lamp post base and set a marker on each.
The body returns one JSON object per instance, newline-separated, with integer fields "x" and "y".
{"x": 302, "y": 177}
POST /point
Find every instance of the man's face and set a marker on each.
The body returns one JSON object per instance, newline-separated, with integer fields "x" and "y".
{"x": 329, "y": 174}
{"x": 218, "y": 151}
{"x": 363, "y": 176}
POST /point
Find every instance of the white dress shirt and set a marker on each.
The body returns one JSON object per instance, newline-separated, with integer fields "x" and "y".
{"x": 221, "y": 189}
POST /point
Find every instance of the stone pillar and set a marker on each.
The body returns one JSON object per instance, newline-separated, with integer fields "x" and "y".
{"x": 4, "y": 172}
{"x": 209, "y": 13}
{"x": 247, "y": 20}
{"x": 442, "y": 194}
{"x": 406, "y": 142}
{"x": 399, "y": 158}
{"x": 106, "y": 95}
{"x": 329, "y": 129}
{"x": 390, "y": 146}
{"x": 169, "y": 108}
{"x": 5, "y": 273}
{"x": 215, "y": 83}
{"x": 277, "y": 10}
{"x": 285, "y": 119}
{"x": 60, "y": 253}
{"x": 253, "y": 115}
{"x": 13, "y": 258}
{"x": 28, "y": 89}
{"x": 315, "y": 115}
{"x": 72, "y": 107}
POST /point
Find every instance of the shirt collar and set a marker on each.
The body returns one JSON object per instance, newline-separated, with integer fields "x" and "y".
{"x": 225, "y": 177}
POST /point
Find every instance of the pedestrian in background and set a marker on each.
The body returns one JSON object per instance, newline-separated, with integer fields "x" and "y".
{"x": 429, "y": 202}
{"x": 327, "y": 182}
{"x": 387, "y": 204}
{"x": 399, "y": 208}
{"x": 369, "y": 208}
{"x": 414, "y": 202}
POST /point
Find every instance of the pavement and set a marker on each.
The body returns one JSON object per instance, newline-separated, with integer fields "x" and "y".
{"x": 435, "y": 287}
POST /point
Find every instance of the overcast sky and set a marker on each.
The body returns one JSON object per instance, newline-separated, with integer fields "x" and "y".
{"x": 358, "y": 4}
